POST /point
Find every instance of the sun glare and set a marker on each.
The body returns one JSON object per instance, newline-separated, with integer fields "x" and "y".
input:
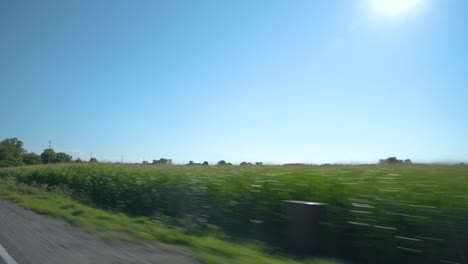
{"x": 394, "y": 7}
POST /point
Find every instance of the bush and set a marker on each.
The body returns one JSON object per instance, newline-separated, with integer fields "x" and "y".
{"x": 32, "y": 159}
{"x": 7, "y": 163}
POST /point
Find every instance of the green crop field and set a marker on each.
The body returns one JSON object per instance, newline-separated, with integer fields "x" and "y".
{"x": 374, "y": 213}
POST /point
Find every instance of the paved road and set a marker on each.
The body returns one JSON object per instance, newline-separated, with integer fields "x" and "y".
{"x": 30, "y": 238}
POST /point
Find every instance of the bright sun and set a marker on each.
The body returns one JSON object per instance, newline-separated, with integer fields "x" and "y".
{"x": 394, "y": 7}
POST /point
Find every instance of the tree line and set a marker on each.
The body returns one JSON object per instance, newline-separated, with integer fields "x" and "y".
{"x": 394, "y": 160}
{"x": 12, "y": 153}
{"x": 164, "y": 161}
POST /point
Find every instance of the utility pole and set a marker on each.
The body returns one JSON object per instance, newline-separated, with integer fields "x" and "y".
{"x": 50, "y": 147}
{"x": 122, "y": 159}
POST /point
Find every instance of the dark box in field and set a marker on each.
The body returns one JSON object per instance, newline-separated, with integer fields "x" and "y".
{"x": 303, "y": 226}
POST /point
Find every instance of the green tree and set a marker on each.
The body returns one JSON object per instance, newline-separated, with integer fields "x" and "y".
{"x": 11, "y": 149}
{"x": 62, "y": 157}
{"x": 162, "y": 161}
{"x": 11, "y": 152}
{"x": 32, "y": 159}
{"x": 390, "y": 160}
{"x": 48, "y": 156}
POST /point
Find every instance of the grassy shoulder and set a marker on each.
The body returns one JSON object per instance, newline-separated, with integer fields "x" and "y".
{"x": 212, "y": 248}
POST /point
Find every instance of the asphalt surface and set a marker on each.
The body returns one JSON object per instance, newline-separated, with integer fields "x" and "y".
{"x": 29, "y": 238}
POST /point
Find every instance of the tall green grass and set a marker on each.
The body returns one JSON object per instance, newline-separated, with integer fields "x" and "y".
{"x": 375, "y": 214}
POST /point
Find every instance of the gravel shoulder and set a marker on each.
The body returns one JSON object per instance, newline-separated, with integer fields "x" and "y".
{"x": 30, "y": 238}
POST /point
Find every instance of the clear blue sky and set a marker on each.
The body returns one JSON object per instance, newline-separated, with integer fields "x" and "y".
{"x": 255, "y": 80}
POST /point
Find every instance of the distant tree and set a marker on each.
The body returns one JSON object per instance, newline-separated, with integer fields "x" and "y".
{"x": 78, "y": 160}
{"x": 191, "y": 163}
{"x": 295, "y": 164}
{"x": 222, "y": 163}
{"x": 162, "y": 161}
{"x": 205, "y": 163}
{"x": 244, "y": 163}
{"x": 390, "y": 160}
{"x": 62, "y": 157}
{"x": 93, "y": 160}
{"x": 258, "y": 163}
{"x": 145, "y": 162}
{"x": 11, "y": 152}
{"x": 32, "y": 159}
{"x": 48, "y": 156}
{"x": 408, "y": 161}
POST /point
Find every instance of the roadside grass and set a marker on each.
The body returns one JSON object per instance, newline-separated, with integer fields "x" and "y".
{"x": 212, "y": 247}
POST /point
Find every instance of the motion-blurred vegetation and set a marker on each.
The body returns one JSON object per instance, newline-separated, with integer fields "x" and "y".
{"x": 375, "y": 213}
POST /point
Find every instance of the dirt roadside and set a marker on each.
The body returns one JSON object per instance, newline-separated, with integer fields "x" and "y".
{"x": 30, "y": 238}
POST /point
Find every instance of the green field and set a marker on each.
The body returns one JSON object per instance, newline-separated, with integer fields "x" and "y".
{"x": 374, "y": 213}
